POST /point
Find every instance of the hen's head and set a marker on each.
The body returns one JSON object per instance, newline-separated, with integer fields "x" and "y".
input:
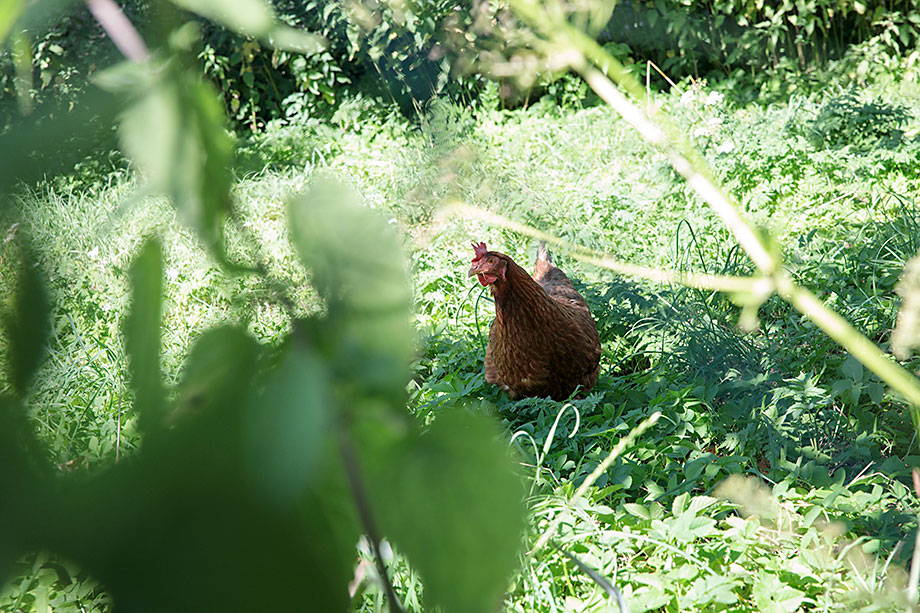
{"x": 488, "y": 266}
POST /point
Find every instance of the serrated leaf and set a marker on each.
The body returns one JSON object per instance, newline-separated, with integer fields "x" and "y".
{"x": 175, "y": 130}
{"x": 27, "y": 326}
{"x": 285, "y": 426}
{"x": 358, "y": 267}
{"x": 451, "y": 502}
{"x": 142, "y": 334}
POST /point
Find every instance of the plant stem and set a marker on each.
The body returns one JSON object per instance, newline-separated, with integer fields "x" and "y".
{"x": 367, "y": 519}
{"x": 120, "y": 29}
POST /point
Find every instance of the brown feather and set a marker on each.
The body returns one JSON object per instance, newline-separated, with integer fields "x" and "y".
{"x": 543, "y": 341}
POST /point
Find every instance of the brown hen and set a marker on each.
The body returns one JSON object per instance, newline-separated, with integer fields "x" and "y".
{"x": 543, "y": 341}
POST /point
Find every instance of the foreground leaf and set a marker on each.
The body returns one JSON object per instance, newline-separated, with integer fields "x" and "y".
{"x": 906, "y": 335}
{"x": 286, "y": 426}
{"x": 451, "y": 501}
{"x": 175, "y": 130}
{"x": 358, "y": 267}
{"x": 255, "y": 18}
{"x": 142, "y": 334}
{"x": 27, "y": 326}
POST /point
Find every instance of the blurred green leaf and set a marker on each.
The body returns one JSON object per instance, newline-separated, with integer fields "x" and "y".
{"x": 358, "y": 266}
{"x": 54, "y": 137}
{"x": 27, "y": 326}
{"x": 250, "y": 17}
{"x": 906, "y": 335}
{"x": 39, "y": 15}
{"x": 174, "y": 129}
{"x": 257, "y": 19}
{"x": 218, "y": 371}
{"x": 10, "y": 10}
{"x": 287, "y": 425}
{"x": 142, "y": 334}
{"x": 451, "y": 501}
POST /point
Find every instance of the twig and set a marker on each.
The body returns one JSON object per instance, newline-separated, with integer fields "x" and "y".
{"x": 624, "y": 442}
{"x": 759, "y": 286}
{"x": 367, "y": 519}
{"x": 120, "y": 29}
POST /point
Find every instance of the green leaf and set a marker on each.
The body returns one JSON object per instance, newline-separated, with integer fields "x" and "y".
{"x": 358, "y": 267}
{"x": 175, "y": 130}
{"x": 450, "y": 500}
{"x": 27, "y": 326}
{"x": 250, "y": 17}
{"x": 852, "y": 368}
{"x": 906, "y": 335}
{"x": 142, "y": 334}
{"x": 218, "y": 372}
{"x": 876, "y": 391}
{"x": 10, "y": 10}
{"x": 255, "y": 18}
{"x": 286, "y": 426}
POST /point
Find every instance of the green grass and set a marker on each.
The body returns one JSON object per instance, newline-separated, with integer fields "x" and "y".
{"x": 827, "y": 447}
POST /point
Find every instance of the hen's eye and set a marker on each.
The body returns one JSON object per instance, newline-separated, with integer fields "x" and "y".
{"x": 491, "y": 260}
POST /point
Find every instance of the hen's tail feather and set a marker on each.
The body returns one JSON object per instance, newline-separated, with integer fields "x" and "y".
{"x": 544, "y": 263}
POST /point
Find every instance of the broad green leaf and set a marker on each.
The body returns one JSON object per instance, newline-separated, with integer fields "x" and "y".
{"x": 255, "y": 18}
{"x": 358, "y": 266}
{"x": 54, "y": 137}
{"x": 142, "y": 334}
{"x": 10, "y": 10}
{"x": 250, "y": 17}
{"x": 218, "y": 372}
{"x": 175, "y": 130}
{"x": 450, "y": 500}
{"x": 27, "y": 326}
{"x": 298, "y": 41}
{"x": 286, "y": 426}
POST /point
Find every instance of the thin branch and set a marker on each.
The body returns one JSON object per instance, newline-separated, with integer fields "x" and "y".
{"x": 759, "y": 286}
{"x": 367, "y": 519}
{"x": 853, "y": 341}
{"x": 683, "y": 157}
{"x": 120, "y": 29}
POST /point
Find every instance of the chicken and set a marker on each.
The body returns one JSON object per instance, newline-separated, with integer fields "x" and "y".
{"x": 543, "y": 341}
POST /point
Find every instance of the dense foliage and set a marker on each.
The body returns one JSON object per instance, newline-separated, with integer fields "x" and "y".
{"x": 411, "y": 52}
{"x": 230, "y": 392}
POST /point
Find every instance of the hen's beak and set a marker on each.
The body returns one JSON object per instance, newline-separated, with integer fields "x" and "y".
{"x": 474, "y": 270}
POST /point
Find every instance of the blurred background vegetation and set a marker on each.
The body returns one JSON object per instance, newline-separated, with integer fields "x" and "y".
{"x": 210, "y": 394}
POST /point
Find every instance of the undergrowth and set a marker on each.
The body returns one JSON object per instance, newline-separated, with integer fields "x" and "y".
{"x": 825, "y": 518}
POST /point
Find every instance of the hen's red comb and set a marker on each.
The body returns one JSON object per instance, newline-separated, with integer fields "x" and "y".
{"x": 480, "y": 250}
